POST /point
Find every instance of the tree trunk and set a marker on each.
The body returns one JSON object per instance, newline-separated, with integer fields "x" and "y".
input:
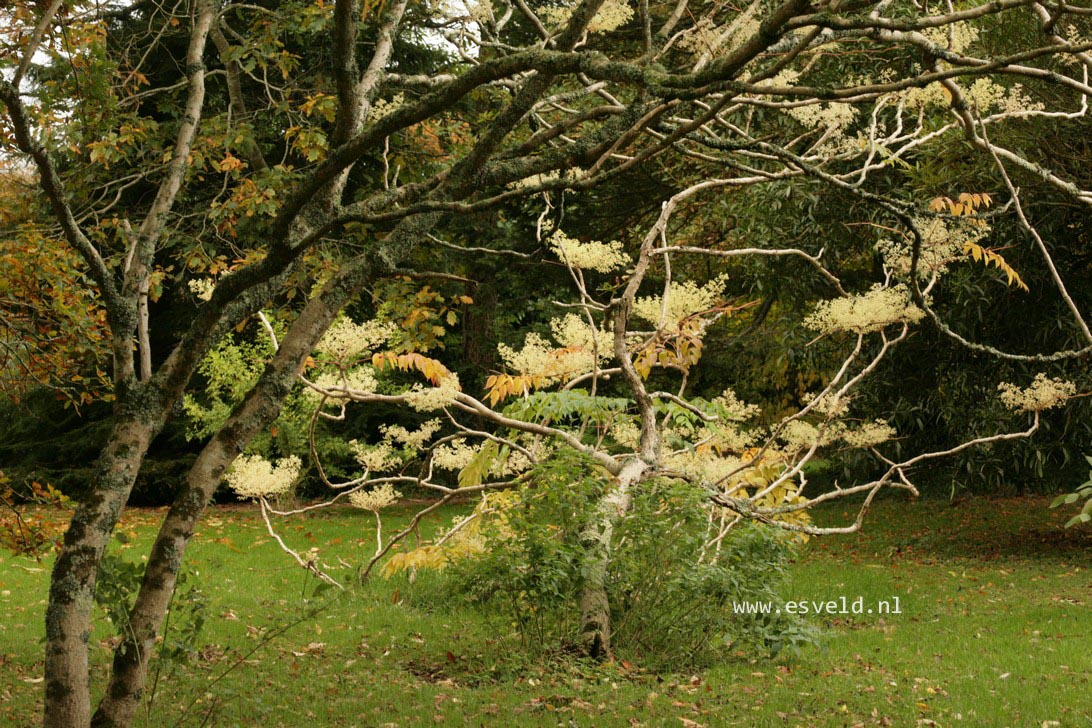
{"x": 594, "y": 602}
{"x": 260, "y": 408}
{"x": 72, "y": 587}
{"x": 126, "y": 688}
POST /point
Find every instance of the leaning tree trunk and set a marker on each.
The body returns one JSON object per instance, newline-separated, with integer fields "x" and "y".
{"x": 260, "y": 408}
{"x": 594, "y": 602}
{"x": 72, "y": 587}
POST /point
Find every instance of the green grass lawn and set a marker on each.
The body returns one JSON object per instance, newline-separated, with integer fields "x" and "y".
{"x": 994, "y": 631}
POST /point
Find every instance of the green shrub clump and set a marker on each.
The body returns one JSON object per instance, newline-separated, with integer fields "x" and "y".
{"x": 671, "y": 592}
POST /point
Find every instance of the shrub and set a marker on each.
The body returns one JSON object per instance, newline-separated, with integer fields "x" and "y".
{"x": 671, "y": 592}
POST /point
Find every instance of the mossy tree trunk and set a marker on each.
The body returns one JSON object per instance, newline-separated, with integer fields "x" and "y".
{"x": 72, "y": 587}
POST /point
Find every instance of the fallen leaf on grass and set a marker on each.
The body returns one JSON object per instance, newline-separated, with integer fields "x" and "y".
{"x": 312, "y": 648}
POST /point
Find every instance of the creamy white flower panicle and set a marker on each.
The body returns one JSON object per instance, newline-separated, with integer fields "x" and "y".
{"x": 430, "y": 399}
{"x": 252, "y": 476}
{"x": 375, "y": 499}
{"x": 863, "y": 313}
{"x": 592, "y": 255}
{"x": 514, "y": 464}
{"x": 612, "y": 15}
{"x": 361, "y": 379}
{"x": 457, "y": 455}
{"x": 683, "y": 299}
{"x": 801, "y": 435}
{"x": 535, "y": 357}
{"x": 480, "y": 11}
{"x": 416, "y": 439}
{"x": 346, "y": 340}
{"x": 727, "y": 437}
{"x": 708, "y": 38}
{"x": 374, "y": 458}
{"x": 942, "y": 243}
{"x": 383, "y": 107}
{"x": 573, "y": 331}
{"x": 736, "y": 410}
{"x": 626, "y": 433}
{"x": 833, "y": 116}
{"x": 700, "y": 37}
{"x": 202, "y": 288}
{"x": 453, "y": 455}
{"x": 1042, "y": 394}
{"x": 955, "y": 37}
{"x": 707, "y": 467}
{"x": 869, "y": 434}
{"x": 827, "y": 405}
{"x": 539, "y": 358}
{"x": 984, "y": 94}
{"x": 930, "y": 96}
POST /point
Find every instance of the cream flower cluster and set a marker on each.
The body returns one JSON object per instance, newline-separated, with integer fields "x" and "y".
{"x": 252, "y": 476}
{"x": 453, "y": 455}
{"x": 955, "y": 37}
{"x": 612, "y": 15}
{"x": 802, "y": 435}
{"x": 707, "y": 37}
{"x": 869, "y": 434}
{"x": 683, "y": 300}
{"x": 984, "y": 94}
{"x": 592, "y": 255}
{"x": 1041, "y": 394}
{"x": 572, "y": 331}
{"x": 870, "y": 311}
{"x": 430, "y": 399}
{"x": 942, "y": 243}
{"x": 538, "y": 358}
{"x": 375, "y": 499}
{"x": 388, "y": 453}
{"x": 360, "y": 379}
{"x": 705, "y": 467}
{"x": 374, "y": 458}
{"x": 835, "y": 116}
{"x": 202, "y": 288}
{"x": 347, "y": 340}
{"x": 383, "y": 107}
{"x": 736, "y": 410}
{"x": 827, "y": 405}
{"x": 416, "y": 439}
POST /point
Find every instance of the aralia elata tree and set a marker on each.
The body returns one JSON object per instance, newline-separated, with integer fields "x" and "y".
{"x": 287, "y": 147}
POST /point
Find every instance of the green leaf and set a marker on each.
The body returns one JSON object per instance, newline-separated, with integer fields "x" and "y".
{"x": 475, "y": 471}
{"x": 1079, "y": 518}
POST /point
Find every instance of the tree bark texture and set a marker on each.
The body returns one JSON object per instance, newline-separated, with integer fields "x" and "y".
{"x": 72, "y": 587}
{"x": 595, "y": 628}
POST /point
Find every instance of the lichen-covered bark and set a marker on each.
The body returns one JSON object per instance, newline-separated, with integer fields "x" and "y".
{"x": 595, "y": 629}
{"x": 125, "y": 690}
{"x": 72, "y": 588}
{"x": 259, "y": 409}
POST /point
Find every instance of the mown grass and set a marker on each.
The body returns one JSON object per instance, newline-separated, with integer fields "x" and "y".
{"x": 994, "y": 631}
